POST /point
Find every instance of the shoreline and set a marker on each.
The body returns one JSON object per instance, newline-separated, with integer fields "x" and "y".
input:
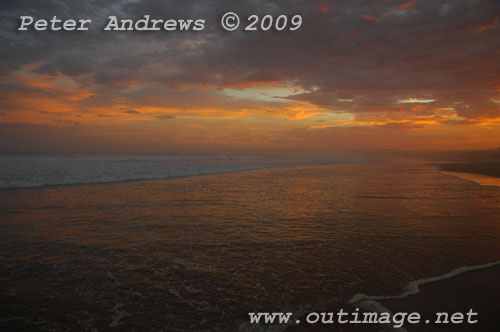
{"x": 472, "y": 290}
{"x": 478, "y": 179}
{"x": 480, "y": 173}
{"x": 491, "y": 169}
{"x": 131, "y": 224}
{"x": 413, "y": 289}
{"x": 459, "y": 290}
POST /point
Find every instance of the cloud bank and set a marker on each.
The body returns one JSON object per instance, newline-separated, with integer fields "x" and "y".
{"x": 418, "y": 71}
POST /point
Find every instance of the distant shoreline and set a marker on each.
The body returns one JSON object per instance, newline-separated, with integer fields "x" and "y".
{"x": 482, "y": 168}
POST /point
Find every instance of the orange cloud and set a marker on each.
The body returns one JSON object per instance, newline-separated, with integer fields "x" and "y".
{"x": 324, "y": 6}
{"x": 354, "y": 77}
{"x": 62, "y": 86}
{"x": 489, "y": 26}
{"x": 370, "y": 17}
{"x": 34, "y": 82}
{"x": 406, "y": 5}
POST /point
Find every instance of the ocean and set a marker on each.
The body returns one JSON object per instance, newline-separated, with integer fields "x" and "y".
{"x": 199, "y": 252}
{"x": 26, "y": 171}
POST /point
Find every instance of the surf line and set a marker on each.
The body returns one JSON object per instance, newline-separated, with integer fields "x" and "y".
{"x": 372, "y": 303}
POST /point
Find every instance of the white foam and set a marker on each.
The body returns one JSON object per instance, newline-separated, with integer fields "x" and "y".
{"x": 371, "y": 303}
{"x": 117, "y": 316}
{"x": 30, "y": 171}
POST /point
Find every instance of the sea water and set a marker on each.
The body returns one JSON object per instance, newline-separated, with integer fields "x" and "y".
{"x": 198, "y": 253}
{"x": 36, "y": 171}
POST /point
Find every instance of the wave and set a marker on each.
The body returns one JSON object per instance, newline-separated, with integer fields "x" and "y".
{"x": 32, "y": 172}
{"x": 369, "y": 303}
{"x": 372, "y": 303}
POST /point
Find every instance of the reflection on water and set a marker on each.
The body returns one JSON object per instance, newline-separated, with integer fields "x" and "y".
{"x": 199, "y": 253}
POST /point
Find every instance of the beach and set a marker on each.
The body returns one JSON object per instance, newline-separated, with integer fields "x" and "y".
{"x": 249, "y": 166}
{"x": 474, "y": 290}
{"x": 483, "y": 168}
{"x": 198, "y": 253}
{"x": 482, "y": 173}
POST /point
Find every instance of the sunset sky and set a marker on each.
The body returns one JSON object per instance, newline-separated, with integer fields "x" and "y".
{"x": 362, "y": 74}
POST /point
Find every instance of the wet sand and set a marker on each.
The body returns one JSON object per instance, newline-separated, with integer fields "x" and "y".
{"x": 483, "y": 168}
{"x": 483, "y": 180}
{"x": 483, "y": 173}
{"x": 476, "y": 290}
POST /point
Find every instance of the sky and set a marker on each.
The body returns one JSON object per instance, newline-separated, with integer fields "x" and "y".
{"x": 358, "y": 74}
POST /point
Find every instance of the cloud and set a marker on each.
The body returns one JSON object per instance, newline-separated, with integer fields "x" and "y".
{"x": 360, "y": 58}
{"x": 324, "y": 6}
{"x": 370, "y": 17}
{"x": 406, "y": 5}
{"x": 416, "y": 101}
{"x": 166, "y": 116}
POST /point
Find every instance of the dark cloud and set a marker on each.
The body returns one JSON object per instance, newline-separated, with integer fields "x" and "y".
{"x": 350, "y": 56}
{"x": 131, "y": 112}
{"x": 166, "y": 116}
